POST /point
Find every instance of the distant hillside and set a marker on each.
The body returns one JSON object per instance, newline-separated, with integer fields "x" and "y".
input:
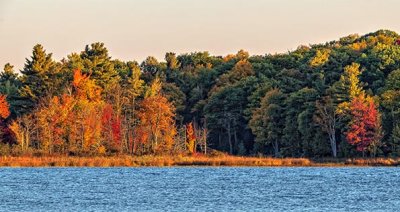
{"x": 341, "y": 98}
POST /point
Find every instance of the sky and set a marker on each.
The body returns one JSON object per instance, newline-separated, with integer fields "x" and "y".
{"x": 135, "y": 29}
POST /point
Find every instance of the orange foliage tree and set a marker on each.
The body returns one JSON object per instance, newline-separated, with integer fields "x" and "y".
{"x": 54, "y": 119}
{"x": 88, "y": 112}
{"x": 4, "y": 107}
{"x": 156, "y": 129}
{"x": 72, "y": 122}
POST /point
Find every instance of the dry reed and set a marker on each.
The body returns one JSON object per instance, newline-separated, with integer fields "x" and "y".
{"x": 225, "y": 160}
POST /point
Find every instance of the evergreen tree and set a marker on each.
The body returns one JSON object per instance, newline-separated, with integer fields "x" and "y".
{"x": 37, "y": 78}
{"x": 97, "y": 63}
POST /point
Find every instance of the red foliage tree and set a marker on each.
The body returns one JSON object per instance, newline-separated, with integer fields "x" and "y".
{"x": 111, "y": 127}
{"x": 116, "y": 130}
{"x": 364, "y": 123}
{"x": 7, "y": 135}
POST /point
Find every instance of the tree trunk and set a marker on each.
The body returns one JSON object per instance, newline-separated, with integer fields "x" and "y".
{"x": 332, "y": 139}
{"x": 205, "y": 136}
{"x": 230, "y": 139}
{"x": 276, "y": 148}
{"x": 236, "y": 142}
{"x": 219, "y": 138}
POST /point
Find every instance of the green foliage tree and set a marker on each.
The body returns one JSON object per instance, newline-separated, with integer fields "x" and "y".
{"x": 268, "y": 121}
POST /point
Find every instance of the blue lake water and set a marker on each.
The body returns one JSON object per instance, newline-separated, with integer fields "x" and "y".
{"x": 200, "y": 189}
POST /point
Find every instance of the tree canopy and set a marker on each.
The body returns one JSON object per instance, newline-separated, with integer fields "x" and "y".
{"x": 339, "y": 98}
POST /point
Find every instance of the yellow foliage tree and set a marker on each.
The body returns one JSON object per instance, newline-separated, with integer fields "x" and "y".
{"x": 350, "y": 83}
{"x": 190, "y": 138}
{"x": 154, "y": 88}
{"x": 320, "y": 58}
{"x": 359, "y": 46}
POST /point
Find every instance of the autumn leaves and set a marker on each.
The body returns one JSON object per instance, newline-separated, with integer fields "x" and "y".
{"x": 364, "y": 126}
{"x": 82, "y": 122}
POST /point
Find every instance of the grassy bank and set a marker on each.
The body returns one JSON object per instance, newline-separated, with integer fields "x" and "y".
{"x": 129, "y": 161}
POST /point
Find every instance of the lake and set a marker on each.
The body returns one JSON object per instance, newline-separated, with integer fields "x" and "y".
{"x": 200, "y": 189}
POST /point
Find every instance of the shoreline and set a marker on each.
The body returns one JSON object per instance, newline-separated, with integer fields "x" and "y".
{"x": 191, "y": 161}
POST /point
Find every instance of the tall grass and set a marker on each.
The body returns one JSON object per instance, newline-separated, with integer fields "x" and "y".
{"x": 358, "y": 161}
{"x": 225, "y": 160}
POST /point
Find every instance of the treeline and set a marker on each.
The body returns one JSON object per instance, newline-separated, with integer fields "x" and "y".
{"x": 339, "y": 99}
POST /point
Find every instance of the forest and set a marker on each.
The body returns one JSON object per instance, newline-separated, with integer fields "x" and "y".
{"x": 336, "y": 99}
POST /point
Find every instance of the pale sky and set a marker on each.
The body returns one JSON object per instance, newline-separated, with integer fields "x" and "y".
{"x": 132, "y": 30}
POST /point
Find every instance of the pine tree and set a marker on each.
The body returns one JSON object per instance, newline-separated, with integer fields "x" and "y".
{"x": 97, "y": 63}
{"x": 37, "y": 78}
